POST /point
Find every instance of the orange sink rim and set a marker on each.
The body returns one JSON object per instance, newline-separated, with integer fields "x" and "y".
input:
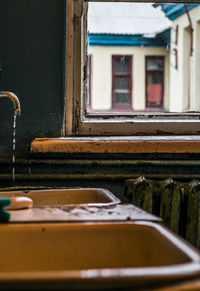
{"x": 105, "y": 197}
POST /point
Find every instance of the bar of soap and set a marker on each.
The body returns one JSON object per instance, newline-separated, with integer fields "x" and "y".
{"x": 19, "y": 203}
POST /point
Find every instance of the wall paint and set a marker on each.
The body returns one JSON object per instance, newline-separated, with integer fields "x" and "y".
{"x": 179, "y": 78}
{"x": 32, "y": 57}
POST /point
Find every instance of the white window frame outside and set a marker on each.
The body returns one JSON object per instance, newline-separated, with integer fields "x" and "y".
{"x": 80, "y": 123}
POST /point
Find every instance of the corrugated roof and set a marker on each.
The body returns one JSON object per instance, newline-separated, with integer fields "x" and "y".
{"x": 126, "y": 18}
{"x": 174, "y": 10}
{"x": 161, "y": 40}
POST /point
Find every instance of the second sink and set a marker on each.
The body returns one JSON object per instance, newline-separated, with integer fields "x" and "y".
{"x": 61, "y": 197}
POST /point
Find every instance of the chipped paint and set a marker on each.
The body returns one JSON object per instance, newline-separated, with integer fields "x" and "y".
{"x": 117, "y": 145}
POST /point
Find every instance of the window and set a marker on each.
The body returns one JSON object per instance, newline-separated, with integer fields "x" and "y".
{"x": 154, "y": 81}
{"x": 164, "y": 87}
{"x": 121, "y": 82}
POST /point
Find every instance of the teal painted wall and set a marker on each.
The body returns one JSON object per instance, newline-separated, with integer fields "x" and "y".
{"x": 32, "y": 47}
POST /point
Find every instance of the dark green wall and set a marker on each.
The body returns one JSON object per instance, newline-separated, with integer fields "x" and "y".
{"x": 32, "y": 34}
{"x": 32, "y": 46}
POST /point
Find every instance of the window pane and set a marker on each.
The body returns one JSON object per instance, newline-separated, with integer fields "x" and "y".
{"x": 154, "y": 64}
{"x": 121, "y": 83}
{"x": 121, "y": 66}
{"x": 154, "y": 93}
{"x": 154, "y": 78}
{"x": 121, "y": 98}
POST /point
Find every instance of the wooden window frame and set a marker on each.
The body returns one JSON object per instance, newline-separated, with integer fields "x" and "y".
{"x": 79, "y": 122}
{"x": 154, "y": 72}
{"x": 128, "y": 76}
{"x": 89, "y": 75}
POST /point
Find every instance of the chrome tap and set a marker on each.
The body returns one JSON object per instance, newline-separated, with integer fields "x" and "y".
{"x": 15, "y": 100}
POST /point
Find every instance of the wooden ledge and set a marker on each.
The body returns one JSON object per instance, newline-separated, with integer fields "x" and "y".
{"x": 137, "y": 144}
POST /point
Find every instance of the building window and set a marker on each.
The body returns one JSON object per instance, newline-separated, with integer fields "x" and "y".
{"x": 154, "y": 81}
{"x": 121, "y": 82}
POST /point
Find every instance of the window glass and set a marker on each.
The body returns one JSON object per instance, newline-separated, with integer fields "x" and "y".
{"x": 121, "y": 66}
{"x": 154, "y": 77}
{"x": 122, "y": 81}
{"x": 121, "y": 84}
{"x": 155, "y": 64}
{"x": 133, "y": 56}
{"x": 121, "y": 97}
{"x": 144, "y": 74}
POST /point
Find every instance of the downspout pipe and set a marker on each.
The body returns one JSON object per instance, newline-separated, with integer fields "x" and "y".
{"x": 191, "y": 30}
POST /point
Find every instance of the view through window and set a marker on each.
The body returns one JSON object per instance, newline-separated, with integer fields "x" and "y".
{"x": 143, "y": 57}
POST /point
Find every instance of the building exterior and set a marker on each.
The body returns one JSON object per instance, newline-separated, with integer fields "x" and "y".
{"x": 128, "y": 57}
{"x": 184, "y": 56}
{"x": 143, "y": 60}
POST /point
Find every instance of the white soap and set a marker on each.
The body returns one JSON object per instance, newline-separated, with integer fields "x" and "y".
{"x": 20, "y": 203}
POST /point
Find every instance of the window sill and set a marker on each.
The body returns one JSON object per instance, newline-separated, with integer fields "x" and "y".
{"x": 137, "y": 144}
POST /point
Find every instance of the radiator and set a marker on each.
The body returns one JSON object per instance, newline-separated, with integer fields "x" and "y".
{"x": 177, "y": 203}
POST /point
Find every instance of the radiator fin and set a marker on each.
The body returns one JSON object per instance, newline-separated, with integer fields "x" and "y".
{"x": 193, "y": 215}
{"x": 176, "y": 202}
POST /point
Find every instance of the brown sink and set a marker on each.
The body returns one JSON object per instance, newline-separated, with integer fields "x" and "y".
{"x": 93, "y": 255}
{"x": 59, "y": 197}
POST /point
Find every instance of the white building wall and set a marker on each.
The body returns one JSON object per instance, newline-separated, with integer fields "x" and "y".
{"x": 185, "y": 80}
{"x": 185, "y": 69}
{"x": 101, "y": 85}
{"x": 197, "y": 65}
{"x": 101, "y": 81}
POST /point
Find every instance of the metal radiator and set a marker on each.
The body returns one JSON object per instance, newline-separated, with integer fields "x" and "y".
{"x": 178, "y": 203}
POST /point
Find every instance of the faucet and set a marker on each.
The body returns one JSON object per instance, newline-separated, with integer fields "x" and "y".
{"x": 15, "y": 100}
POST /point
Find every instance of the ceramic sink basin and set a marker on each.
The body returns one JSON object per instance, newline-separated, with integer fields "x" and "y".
{"x": 93, "y": 255}
{"x": 59, "y": 197}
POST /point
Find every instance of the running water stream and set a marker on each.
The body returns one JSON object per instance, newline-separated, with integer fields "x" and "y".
{"x": 17, "y": 112}
{"x": 14, "y": 146}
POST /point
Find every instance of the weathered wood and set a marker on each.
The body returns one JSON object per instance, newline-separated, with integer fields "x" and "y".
{"x": 69, "y": 67}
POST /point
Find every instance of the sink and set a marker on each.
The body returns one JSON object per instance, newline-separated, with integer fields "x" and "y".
{"x": 93, "y": 255}
{"x": 59, "y": 197}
